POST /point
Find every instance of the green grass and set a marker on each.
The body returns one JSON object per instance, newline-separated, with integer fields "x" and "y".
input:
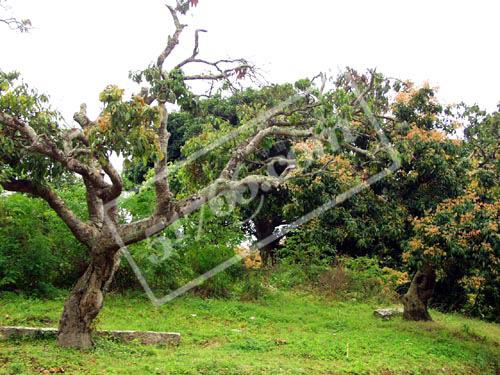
{"x": 285, "y": 333}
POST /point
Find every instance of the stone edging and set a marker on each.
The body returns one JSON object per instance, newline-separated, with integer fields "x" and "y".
{"x": 145, "y": 337}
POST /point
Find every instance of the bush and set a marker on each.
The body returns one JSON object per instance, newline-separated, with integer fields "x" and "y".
{"x": 367, "y": 280}
{"x": 37, "y": 252}
{"x": 288, "y": 274}
{"x": 181, "y": 254}
{"x": 170, "y": 270}
{"x": 251, "y": 287}
{"x": 359, "y": 278}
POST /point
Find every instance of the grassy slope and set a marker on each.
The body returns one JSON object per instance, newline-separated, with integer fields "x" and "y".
{"x": 287, "y": 333}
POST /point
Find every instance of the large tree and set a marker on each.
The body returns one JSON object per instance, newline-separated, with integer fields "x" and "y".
{"x": 37, "y": 150}
{"x": 458, "y": 240}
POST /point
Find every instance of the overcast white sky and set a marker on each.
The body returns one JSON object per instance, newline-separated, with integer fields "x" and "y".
{"x": 78, "y": 47}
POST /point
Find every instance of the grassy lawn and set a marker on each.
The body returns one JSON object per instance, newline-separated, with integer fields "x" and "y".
{"x": 285, "y": 333}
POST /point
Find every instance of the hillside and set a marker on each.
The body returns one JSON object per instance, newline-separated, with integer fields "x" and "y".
{"x": 285, "y": 333}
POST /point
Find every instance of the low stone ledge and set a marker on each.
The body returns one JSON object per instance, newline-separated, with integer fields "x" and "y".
{"x": 7, "y": 332}
{"x": 144, "y": 337}
{"x": 388, "y": 313}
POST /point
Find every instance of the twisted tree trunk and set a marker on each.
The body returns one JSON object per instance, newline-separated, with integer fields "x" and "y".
{"x": 416, "y": 299}
{"x": 263, "y": 229}
{"x": 86, "y": 300}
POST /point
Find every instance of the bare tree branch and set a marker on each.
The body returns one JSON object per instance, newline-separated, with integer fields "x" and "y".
{"x": 221, "y": 186}
{"x": 163, "y": 195}
{"x": 196, "y": 49}
{"x": 22, "y": 25}
{"x": 116, "y": 188}
{"x": 173, "y": 40}
{"x": 82, "y": 231}
{"x": 15, "y": 24}
{"x": 45, "y": 146}
{"x": 81, "y": 117}
{"x": 251, "y": 146}
{"x": 369, "y": 88}
{"x": 361, "y": 151}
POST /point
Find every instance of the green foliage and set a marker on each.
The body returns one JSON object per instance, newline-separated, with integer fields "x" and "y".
{"x": 290, "y": 275}
{"x": 482, "y": 134}
{"x": 365, "y": 225}
{"x": 251, "y": 287}
{"x": 194, "y": 128}
{"x": 434, "y": 168}
{"x": 17, "y": 99}
{"x": 361, "y": 279}
{"x": 430, "y": 163}
{"x": 171, "y": 89}
{"x": 375, "y": 223}
{"x": 37, "y": 251}
{"x": 125, "y": 127}
{"x": 420, "y": 107}
{"x": 189, "y": 248}
{"x": 365, "y": 280}
{"x": 461, "y": 239}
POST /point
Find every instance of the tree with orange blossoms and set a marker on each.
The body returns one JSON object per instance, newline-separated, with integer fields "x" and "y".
{"x": 461, "y": 237}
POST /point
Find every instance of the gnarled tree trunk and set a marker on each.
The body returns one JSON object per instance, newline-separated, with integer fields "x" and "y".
{"x": 416, "y": 299}
{"x": 86, "y": 300}
{"x": 263, "y": 229}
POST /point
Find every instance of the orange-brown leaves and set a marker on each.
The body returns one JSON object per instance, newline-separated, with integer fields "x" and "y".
{"x": 425, "y": 135}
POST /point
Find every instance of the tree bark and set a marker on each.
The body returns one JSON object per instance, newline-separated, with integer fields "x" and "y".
{"x": 264, "y": 227}
{"x": 86, "y": 300}
{"x": 416, "y": 299}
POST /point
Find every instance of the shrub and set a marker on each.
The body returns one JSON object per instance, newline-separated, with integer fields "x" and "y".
{"x": 288, "y": 274}
{"x": 360, "y": 278}
{"x": 370, "y": 281}
{"x": 37, "y": 251}
{"x": 251, "y": 287}
{"x": 182, "y": 253}
{"x": 168, "y": 270}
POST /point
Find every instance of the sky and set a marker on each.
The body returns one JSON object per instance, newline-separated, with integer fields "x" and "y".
{"x": 78, "y": 47}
